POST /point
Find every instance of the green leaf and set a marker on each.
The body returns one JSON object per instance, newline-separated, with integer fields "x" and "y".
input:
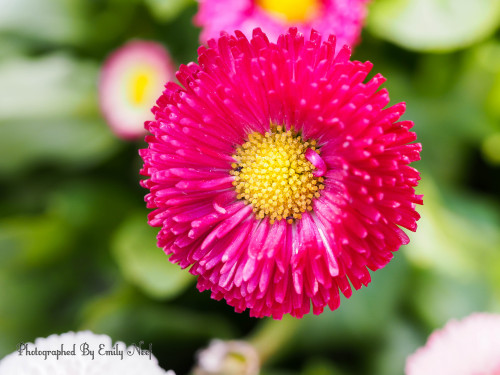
{"x": 317, "y": 366}
{"x": 445, "y": 96}
{"x": 458, "y": 234}
{"x": 56, "y": 21}
{"x": 362, "y": 316}
{"x": 31, "y": 304}
{"x": 278, "y": 372}
{"x": 52, "y": 86}
{"x": 487, "y": 57}
{"x": 80, "y": 202}
{"x": 32, "y": 241}
{"x": 166, "y": 10}
{"x": 50, "y": 114}
{"x": 402, "y": 340}
{"x": 126, "y": 315}
{"x": 491, "y": 148}
{"x": 430, "y": 25}
{"x": 438, "y": 297}
{"x": 70, "y": 142}
{"x": 11, "y": 46}
{"x": 143, "y": 263}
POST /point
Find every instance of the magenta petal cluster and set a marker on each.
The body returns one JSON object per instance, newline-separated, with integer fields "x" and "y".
{"x": 361, "y": 185}
{"x": 467, "y": 347}
{"x": 344, "y": 18}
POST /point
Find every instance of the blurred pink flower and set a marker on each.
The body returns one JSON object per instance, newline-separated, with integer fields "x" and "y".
{"x": 277, "y": 175}
{"x": 467, "y": 347}
{"x": 131, "y": 80}
{"x": 344, "y": 18}
{"x": 227, "y": 357}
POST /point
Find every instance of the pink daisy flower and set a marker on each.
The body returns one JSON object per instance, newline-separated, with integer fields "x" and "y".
{"x": 467, "y": 347}
{"x": 277, "y": 175}
{"x": 131, "y": 79}
{"x": 344, "y": 18}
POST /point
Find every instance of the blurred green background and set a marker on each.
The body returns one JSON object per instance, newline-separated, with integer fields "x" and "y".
{"x": 75, "y": 252}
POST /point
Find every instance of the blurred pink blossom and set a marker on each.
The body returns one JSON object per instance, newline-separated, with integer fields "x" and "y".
{"x": 467, "y": 347}
{"x": 344, "y": 18}
{"x": 131, "y": 79}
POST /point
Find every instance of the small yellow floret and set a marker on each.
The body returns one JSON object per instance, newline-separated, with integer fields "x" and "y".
{"x": 291, "y": 10}
{"x": 141, "y": 85}
{"x": 274, "y": 176}
{"x": 139, "y": 88}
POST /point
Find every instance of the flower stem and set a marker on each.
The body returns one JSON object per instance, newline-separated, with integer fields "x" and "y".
{"x": 272, "y": 336}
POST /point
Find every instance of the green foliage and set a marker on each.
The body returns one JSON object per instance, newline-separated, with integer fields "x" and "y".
{"x": 55, "y": 21}
{"x": 430, "y": 25}
{"x": 167, "y": 10}
{"x": 143, "y": 263}
{"x": 50, "y": 114}
{"x": 32, "y": 241}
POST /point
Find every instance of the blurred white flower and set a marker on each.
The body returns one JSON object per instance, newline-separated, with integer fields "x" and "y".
{"x": 228, "y": 358}
{"x": 80, "y": 353}
{"x": 467, "y": 347}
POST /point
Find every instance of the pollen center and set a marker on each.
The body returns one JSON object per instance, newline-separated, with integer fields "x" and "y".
{"x": 291, "y": 10}
{"x": 273, "y": 174}
{"x": 138, "y": 87}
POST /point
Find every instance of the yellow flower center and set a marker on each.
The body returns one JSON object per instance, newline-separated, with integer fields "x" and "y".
{"x": 274, "y": 176}
{"x": 139, "y": 86}
{"x": 291, "y": 10}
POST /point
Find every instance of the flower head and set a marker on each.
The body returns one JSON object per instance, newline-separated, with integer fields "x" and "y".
{"x": 277, "y": 175}
{"x": 80, "y": 353}
{"x": 344, "y": 18}
{"x": 227, "y": 357}
{"x": 131, "y": 79}
{"x": 467, "y": 347}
